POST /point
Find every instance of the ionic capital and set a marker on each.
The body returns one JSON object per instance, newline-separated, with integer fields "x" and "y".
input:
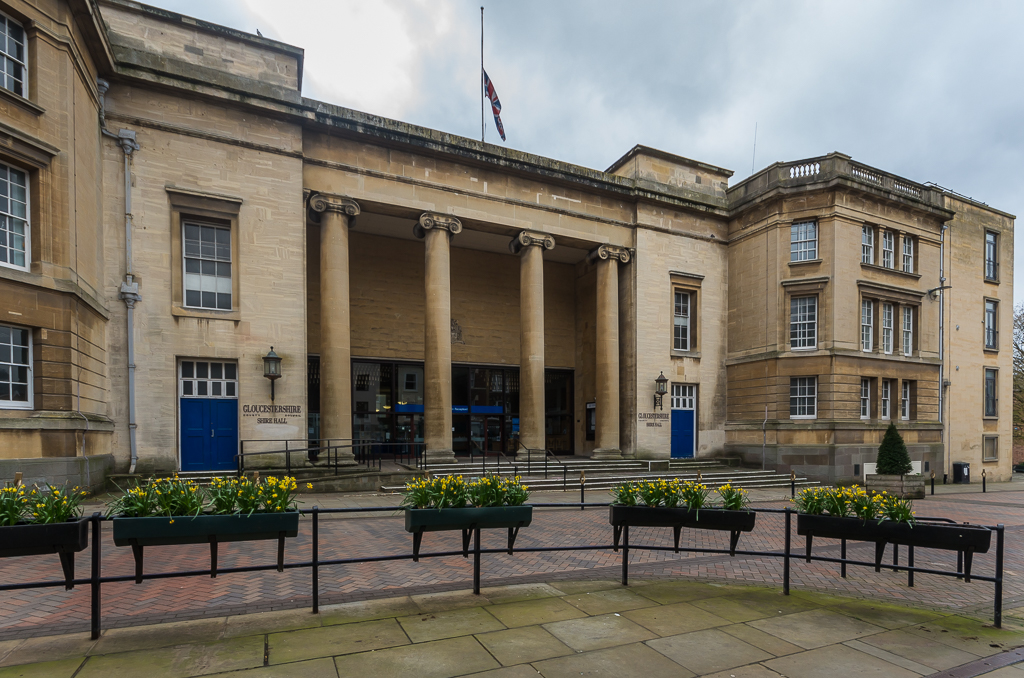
{"x": 527, "y": 238}
{"x": 434, "y": 221}
{"x": 605, "y": 252}
{"x": 329, "y": 202}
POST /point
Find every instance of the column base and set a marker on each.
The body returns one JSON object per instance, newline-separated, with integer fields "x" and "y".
{"x": 606, "y": 453}
{"x": 439, "y": 456}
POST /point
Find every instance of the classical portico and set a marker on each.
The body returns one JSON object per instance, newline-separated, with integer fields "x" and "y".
{"x": 437, "y": 232}
{"x": 335, "y": 214}
{"x": 530, "y": 247}
{"x": 607, "y": 259}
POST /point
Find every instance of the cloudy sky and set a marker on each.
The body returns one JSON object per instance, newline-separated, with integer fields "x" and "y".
{"x": 928, "y": 90}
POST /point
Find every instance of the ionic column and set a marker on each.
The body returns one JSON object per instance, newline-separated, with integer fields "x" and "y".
{"x": 530, "y": 247}
{"x": 437, "y": 230}
{"x": 607, "y": 258}
{"x": 335, "y": 214}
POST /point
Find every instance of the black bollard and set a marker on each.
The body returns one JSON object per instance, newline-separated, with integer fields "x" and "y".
{"x": 933, "y": 483}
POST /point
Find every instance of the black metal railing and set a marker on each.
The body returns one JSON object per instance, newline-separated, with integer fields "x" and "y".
{"x": 96, "y": 580}
{"x": 332, "y": 453}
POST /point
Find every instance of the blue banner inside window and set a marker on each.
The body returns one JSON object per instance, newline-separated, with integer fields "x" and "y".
{"x": 488, "y": 409}
{"x": 409, "y": 408}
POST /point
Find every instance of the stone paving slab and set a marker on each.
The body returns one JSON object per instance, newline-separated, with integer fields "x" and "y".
{"x": 823, "y": 635}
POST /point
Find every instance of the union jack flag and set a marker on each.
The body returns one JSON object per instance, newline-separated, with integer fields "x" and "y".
{"x": 495, "y": 104}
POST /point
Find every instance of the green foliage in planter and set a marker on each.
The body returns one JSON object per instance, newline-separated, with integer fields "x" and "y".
{"x": 674, "y": 493}
{"x": 841, "y": 502}
{"x": 179, "y": 497}
{"x": 893, "y": 458}
{"x": 455, "y": 492}
{"x": 13, "y": 505}
{"x": 52, "y": 505}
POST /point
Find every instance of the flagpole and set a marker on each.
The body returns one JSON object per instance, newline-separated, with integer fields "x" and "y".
{"x": 483, "y": 127}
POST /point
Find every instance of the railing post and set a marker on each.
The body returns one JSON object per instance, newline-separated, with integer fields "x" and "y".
{"x": 565, "y": 478}
{"x": 287, "y": 459}
{"x": 785, "y": 556}
{"x": 998, "y": 620}
{"x": 583, "y": 494}
{"x": 933, "y": 483}
{"x": 910, "y": 564}
{"x": 895, "y": 556}
{"x": 241, "y": 458}
{"x": 625, "y": 555}
{"x": 983, "y": 488}
{"x": 792, "y": 483}
{"x": 842, "y": 555}
{"x": 94, "y": 583}
{"x": 476, "y": 560}
{"x": 316, "y": 559}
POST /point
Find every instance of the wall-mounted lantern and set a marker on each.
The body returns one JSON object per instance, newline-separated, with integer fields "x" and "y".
{"x": 272, "y": 369}
{"x": 660, "y": 389}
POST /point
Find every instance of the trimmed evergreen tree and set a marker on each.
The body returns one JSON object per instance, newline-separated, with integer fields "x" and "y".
{"x": 893, "y": 458}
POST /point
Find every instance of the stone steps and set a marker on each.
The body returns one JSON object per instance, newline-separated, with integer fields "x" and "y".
{"x": 713, "y": 475}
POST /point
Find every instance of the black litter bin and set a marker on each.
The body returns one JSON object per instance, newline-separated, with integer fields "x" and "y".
{"x": 961, "y": 472}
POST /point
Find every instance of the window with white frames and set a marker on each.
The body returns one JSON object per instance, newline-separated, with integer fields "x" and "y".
{"x": 867, "y": 244}
{"x": 865, "y": 398}
{"x": 886, "y": 328}
{"x": 207, "y": 266}
{"x": 15, "y": 367}
{"x": 14, "y": 227}
{"x": 905, "y": 401}
{"x": 991, "y": 256}
{"x": 803, "y": 322}
{"x": 681, "y": 338}
{"x": 991, "y": 328}
{"x": 684, "y": 397}
{"x": 884, "y": 400}
{"x": 908, "y": 254}
{"x": 908, "y": 330}
{"x": 203, "y": 379}
{"x": 803, "y": 241}
{"x": 803, "y": 397}
{"x": 888, "y": 249}
{"x": 867, "y": 320}
{"x": 12, "y": 56}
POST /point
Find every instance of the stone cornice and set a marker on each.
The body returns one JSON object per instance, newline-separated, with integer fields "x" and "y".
{"x": 319, "y": 203}
{"x": 435, "y": 221}
{"x": 528, "y": 238}
{"x": 604, "y": 252}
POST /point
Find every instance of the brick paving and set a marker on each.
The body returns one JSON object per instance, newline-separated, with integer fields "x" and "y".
{"x": 36, "y": 612}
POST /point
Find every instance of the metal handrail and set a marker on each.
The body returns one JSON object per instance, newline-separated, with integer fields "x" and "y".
{"x": 547, "y": 454}
{"x": 358, "y": 445}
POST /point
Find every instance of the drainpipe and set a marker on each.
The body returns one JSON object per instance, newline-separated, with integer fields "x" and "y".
{"x": 129, "y": 288}
{"x": 942, "y": 347}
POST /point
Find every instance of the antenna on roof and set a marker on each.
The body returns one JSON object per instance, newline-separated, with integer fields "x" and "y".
{"x": 755, "y": 150}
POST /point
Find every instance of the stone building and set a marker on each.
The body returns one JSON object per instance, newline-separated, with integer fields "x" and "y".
{"x": 175, "y": 209}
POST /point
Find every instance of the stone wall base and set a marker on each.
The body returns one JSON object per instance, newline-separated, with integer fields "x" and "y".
{"x": 906, "y": 487}
{"x": 830, "y": 464}
{"x": 88, "y": 473}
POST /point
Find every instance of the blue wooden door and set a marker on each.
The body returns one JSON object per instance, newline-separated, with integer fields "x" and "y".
{"x": 209, "y": 434}
{"x": 683, "y": 421}
{"x": 209, "y": 415}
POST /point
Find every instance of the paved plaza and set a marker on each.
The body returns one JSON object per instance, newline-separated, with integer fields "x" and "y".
{"x": 557, "y": 613}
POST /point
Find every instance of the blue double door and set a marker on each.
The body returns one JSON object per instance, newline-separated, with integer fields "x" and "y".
{"x": 209, "y": 434}
{"x": 684, "y": 421}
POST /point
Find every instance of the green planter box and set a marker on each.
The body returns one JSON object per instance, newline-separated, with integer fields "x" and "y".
{"x": 733, "y": 522}
{"x": 36, "y": 539}
{"x": 969, "y": 539}
{"x": 418, "y": 521}
{"x": 203, "y": 529}
{"x": 199, "y": 529}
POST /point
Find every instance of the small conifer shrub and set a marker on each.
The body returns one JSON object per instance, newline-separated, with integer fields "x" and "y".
{"x": 893, "y": 458}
